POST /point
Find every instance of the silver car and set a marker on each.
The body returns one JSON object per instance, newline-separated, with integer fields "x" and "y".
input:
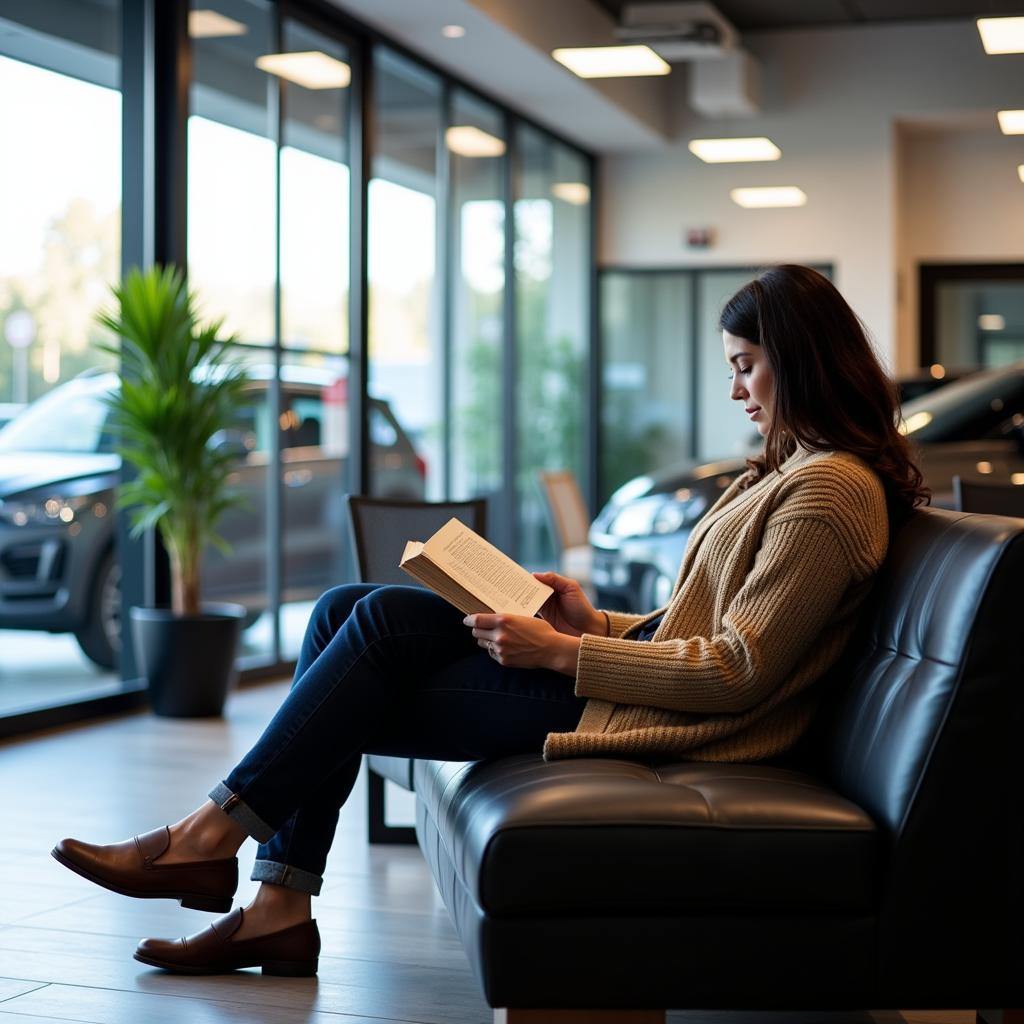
{"x": 58, "y": 473}
{"x": 972, "y": 428}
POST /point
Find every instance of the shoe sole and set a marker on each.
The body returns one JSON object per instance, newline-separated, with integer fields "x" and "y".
{"x": 276, "y": 968}
{"x": 192, "y": 901}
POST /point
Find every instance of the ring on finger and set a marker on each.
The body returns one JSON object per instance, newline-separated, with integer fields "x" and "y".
{"x": 490, "y": 648}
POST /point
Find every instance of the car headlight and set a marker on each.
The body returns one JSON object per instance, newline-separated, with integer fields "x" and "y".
{"x": 52, "y": 511}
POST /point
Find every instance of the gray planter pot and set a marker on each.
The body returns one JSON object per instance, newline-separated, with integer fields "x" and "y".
{"x": 187, "y": 660}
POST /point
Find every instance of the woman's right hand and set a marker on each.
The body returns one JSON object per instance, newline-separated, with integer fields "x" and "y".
{"x": 568, "y": 609}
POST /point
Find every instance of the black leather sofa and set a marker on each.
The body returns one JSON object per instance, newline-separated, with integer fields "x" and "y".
{"x": 880, "y": 866}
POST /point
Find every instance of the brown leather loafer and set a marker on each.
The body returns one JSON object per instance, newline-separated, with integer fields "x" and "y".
{"x": 291, "y": 952}
{"x": 128, "y": 868}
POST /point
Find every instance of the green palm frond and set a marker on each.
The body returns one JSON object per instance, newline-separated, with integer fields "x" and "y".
{"x": 181, "y": 384}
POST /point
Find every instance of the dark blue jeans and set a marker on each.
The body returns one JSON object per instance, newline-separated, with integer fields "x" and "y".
{"x": 383, "y": 670}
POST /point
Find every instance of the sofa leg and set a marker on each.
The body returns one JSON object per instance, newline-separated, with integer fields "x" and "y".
{"x": 513, "y": 1015}
{"x": 1000, "y": 1017}
{"x": 376, "y": 830}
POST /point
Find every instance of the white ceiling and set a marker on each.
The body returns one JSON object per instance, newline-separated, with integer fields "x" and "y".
{"x": 506, "y": 54}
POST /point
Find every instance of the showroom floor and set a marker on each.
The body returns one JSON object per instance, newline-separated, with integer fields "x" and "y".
{"x": 390, "y": 951}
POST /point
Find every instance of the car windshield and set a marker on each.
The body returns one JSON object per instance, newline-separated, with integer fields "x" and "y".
{"x": 70, "y": 418}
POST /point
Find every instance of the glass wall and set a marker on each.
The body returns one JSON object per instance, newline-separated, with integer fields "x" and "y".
{"x": 552, "y": 288}
{"x": 477, "y": 152}
{"x": 457, "y": 406}
{"x": 268, "y": 247}
{"x": 60, "y": 249}
{"x": 406, "y": 363}
{"x": 979, "y": 323}
{"x": 232, "y": 260}
{"x": 647, "y": 364}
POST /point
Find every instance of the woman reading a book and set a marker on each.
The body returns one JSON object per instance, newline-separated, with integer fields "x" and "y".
{"x": 770, "y": 588}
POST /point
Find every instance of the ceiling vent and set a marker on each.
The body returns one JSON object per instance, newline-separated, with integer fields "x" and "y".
{"x": 677, "y": 31}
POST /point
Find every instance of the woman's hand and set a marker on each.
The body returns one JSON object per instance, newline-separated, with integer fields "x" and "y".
{"x": 519, "y": 641}
{"x": 568, "y": 609}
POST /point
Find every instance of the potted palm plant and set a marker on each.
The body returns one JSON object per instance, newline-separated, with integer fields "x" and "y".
{"x": 180, "y": 386}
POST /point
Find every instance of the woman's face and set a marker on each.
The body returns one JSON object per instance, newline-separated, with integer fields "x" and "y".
{"x": 753, "y": 381}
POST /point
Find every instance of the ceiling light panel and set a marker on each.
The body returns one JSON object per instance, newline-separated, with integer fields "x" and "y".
{"x": 575, "y": 192}
{"x": 1011, "y": 122}
{"x": 311, "y": 69}
{"x": 1002, "y": 35}
{"x": 727, "y": 151}
{"x": 204, "y": 24}
{"x": 775, "y": 195}
{"x": 468, "y": 140}
{"x": 611, "y": 61}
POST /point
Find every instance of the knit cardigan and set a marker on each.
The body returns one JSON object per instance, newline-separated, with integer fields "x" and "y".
{"x": 768, "y": 593}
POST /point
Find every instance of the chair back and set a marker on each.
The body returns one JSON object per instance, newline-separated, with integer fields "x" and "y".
{"x": 922, "y": 731}
{"x": 566, "y": 508}
{"x": 380, "y": 528}
{"x": 991, "y": 499}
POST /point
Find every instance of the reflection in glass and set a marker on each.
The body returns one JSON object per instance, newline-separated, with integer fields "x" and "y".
{"x": 231, "y": 174}
{"x": 647, "y": 366}
{"x": 60, "y": 249}
{"x": 314, "y": 329}
{"x": 406, "y": 365}
{"x": 979, "y": 323}
{"x": 232, "y": 242}
{"x": 552, "y": 266}
{"x": 314, "y": 205}
{"x": 477, "y": 296}
{"x": 723, "y": 430}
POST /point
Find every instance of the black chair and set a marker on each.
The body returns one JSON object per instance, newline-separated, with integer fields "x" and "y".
{"x": 379, "y": 529}
{"x": 990, "y": 499}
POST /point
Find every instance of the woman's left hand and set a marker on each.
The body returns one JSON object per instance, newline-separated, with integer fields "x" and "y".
{"x": 519, "y": 641}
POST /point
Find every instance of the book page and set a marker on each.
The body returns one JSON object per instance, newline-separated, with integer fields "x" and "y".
{"x": 483, "y": 570}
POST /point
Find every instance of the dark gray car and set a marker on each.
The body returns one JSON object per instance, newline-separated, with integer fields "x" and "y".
{"x": 972, "y": 428}
{"x": 58, "y": 570}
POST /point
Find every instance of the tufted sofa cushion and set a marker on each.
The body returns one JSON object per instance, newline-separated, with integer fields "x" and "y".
{"x": 665, "y": 839}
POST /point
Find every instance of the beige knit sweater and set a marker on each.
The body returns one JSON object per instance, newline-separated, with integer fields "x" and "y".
{"x": 767, "y": 596}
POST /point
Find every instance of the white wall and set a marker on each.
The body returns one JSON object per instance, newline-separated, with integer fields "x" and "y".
{"x": 833, "y": 100}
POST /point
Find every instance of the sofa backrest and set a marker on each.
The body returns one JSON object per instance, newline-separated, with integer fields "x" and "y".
{"x": 923, "y": 732}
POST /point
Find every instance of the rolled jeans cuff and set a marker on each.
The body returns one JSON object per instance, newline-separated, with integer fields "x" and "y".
{"x": 242, "y": 813}
{"x": 286, "y": 875}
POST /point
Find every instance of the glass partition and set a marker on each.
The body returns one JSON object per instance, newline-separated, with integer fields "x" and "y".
{"x": 60, "y": 250}
{"x": 405, "y": 345}
{"x": 552, "y": 283}
{"x": 477, "y": 151}
{"x": 647, "y": 372}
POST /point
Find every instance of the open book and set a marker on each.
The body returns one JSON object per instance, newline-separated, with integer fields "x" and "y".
{"x": 472, "y": 574}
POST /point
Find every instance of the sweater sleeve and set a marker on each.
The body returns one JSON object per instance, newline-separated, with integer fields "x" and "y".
{"x": 619, "y": 622}
{"x": 797, "y": 581}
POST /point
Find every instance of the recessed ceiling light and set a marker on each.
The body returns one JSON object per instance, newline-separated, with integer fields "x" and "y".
{"x": 1002, "y": 35}
{"x": 775, "y": 195}
{"x": 468, "y": 140}
{"x": 725, "y": 151}
{"x": 453, "y": 31}
{"x": 575, "y": 192}
{"x": 203, "y": 24}
{"x": 1011, "y": 122}
{"x": 311, "y": 69}
{"x": 992, "y": 322}
{"x": 611, "y": 61}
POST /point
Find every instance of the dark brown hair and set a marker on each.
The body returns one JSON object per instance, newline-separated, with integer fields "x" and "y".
{"x": 831, "y": 392}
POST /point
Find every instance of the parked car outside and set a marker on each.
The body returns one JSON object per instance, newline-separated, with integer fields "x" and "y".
{"x": 58, "y": 474}
{"x": 973, "y": 428}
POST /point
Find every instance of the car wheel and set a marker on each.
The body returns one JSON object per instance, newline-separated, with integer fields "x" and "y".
{"x": 100, "y": 637}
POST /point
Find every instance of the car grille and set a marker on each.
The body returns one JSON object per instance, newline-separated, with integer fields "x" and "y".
{"x": 23, "y": 561}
